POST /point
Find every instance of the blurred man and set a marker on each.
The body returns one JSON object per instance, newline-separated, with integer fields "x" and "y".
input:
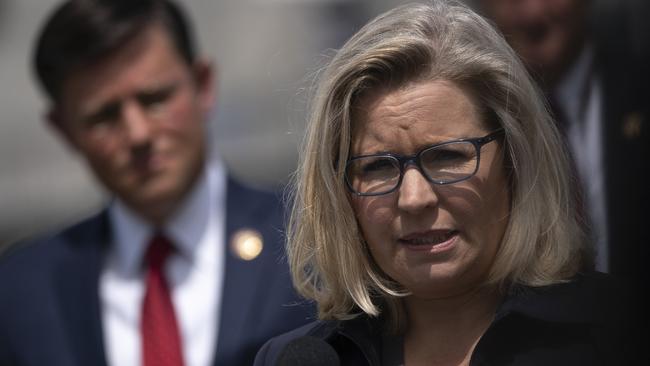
{"x": 589, "y": 63}
{"x": 183, "y": 267}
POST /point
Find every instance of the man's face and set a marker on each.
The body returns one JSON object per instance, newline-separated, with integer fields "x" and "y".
{"x": 138, "y": 118}
{"x": 547, "y": 34}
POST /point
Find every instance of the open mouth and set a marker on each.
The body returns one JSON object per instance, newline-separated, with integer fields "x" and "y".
{"x": 430, "y": 238}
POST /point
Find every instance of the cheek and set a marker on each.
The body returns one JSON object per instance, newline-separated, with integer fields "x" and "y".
{"x": 186, "y": 106}
{"x": 490, "y": 217}
{"x": 376, "y": 221}
{"x": 375, "y": 216}
{"x": 100, "y": 148}
{"x": 180, "y": 113}
{"x": 481, "y": 209}
{"x": 185, "y": 120}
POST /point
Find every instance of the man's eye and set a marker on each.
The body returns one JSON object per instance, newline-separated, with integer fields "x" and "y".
{"x": 154, "y": 98}
{"x": 105, "y": 116}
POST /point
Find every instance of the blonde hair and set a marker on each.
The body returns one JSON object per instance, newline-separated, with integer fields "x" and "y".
{"x": 544, "y": 242}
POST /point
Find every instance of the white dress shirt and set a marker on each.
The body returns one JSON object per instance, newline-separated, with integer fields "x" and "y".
{"x": 580, "y": 95}
{"x": 194, "y": 273}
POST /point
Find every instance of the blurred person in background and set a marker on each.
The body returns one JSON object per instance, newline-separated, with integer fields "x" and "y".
{"x": 184, "y": 265}
{"x": 434, "y": 218}
{"x": 591, "y": 60}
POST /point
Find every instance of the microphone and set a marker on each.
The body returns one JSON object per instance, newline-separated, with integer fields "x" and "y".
{"x": 308, "y": 351}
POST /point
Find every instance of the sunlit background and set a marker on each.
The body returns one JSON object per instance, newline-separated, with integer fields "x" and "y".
{"x": 266, "y": 52}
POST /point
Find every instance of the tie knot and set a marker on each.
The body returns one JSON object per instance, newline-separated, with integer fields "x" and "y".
{"x": 159, "y": 249}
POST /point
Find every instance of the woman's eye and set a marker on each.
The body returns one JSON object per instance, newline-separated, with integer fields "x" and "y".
{"x": 378, "y": 165}
{"x": 445, "y": 155}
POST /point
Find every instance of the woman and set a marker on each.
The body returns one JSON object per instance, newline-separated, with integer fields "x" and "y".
{"x": 435, "y": 221}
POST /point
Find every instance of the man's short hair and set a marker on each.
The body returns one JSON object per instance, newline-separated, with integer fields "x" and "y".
{"x": 81, "y": 32}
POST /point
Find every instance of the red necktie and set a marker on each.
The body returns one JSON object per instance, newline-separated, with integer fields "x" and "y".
{"x": 161, "y": 344}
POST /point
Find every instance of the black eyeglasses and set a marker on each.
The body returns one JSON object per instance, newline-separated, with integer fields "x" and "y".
{"x": 443, "y": 163}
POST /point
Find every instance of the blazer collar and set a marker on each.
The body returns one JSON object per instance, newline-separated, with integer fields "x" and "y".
{"x": 589, "y": 298}
{"x": 76, "y": 281}
{"x": 243, "y": 281}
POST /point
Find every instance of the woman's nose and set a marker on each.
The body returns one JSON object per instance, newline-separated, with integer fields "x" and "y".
{"x": 416, "y": 192}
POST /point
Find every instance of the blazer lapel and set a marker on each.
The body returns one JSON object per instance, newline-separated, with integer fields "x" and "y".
{"x": 76, "y": 283}
{"x": 245, "y": 211}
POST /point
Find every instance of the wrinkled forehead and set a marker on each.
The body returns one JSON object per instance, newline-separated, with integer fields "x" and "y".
{"x": 405, "y": 119}
{"x": 413, "y": 101}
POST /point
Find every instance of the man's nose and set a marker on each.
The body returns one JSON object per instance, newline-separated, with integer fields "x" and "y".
{"x": 137, "y": 125}
{"x": 416, "y": 192}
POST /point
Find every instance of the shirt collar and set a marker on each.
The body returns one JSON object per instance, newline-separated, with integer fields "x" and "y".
{"x": 130, "y": 236}
{"x": 185, "y": 228}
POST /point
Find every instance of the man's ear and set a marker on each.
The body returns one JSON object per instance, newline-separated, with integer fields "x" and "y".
{"x": 56, "y": 122}
{"x": 205, "y": 76}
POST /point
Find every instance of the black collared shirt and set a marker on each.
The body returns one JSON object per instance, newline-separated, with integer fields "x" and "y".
{"x": 589, "y": 320}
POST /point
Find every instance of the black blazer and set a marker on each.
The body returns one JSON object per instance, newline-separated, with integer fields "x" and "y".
{"x": 589, "y": 321}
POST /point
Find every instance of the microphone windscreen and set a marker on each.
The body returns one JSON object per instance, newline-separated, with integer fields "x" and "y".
{"x": 310, "y": 351}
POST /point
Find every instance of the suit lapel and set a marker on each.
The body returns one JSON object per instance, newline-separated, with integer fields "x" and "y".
{"x": 245, "y": 210}
{"x": 76, "y": 282}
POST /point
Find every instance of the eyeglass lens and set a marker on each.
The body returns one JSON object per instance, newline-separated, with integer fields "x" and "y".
{"x": 441, "y": 164}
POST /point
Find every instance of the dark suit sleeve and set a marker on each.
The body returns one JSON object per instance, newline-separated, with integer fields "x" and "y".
{"x": 263, "y": 356}
{"x": 270, "y": 351}
{"x": 49, "y": 308}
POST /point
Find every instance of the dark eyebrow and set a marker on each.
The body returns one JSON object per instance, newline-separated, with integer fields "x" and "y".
{"x": 382, "y": 152}
{"x": 390, "y": 153}
{"x": 112, "y": 109}
{"x": 160, "y": 92}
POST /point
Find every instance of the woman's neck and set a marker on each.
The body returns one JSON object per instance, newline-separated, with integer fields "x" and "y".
{"x": 445, "y": 331}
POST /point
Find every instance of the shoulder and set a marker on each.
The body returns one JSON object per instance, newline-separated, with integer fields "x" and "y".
{"x": 268, "y": 354}
{"x": 253, "y": 195}
{"x": 47, "y": 282}
{"x": 588, "y": 297}
{"x": 34, "y": 259}
{"x": 247, "y": 204}
{"x": 592, "y": 308}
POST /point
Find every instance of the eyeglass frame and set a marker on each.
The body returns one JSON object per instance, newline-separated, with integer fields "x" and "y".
{"x": 414, "y": 159}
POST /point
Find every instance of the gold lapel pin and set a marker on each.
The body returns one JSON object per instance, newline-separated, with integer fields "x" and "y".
{"x": 247, "y": 244}
{"x": 632, "y": 126}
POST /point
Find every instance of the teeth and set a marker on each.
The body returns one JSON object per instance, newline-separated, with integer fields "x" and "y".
{"x": 430, "y": 239}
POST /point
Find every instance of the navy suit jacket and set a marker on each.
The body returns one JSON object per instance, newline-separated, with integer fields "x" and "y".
{"x": 50, "y": 313}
